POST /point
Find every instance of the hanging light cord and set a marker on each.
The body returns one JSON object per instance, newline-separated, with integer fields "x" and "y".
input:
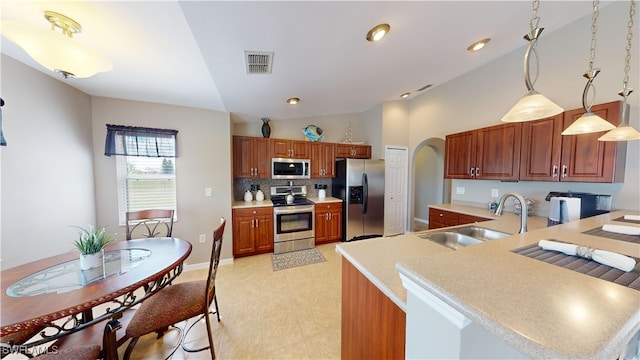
{"x": 532, "y": 37}
{"x": 626, "y": 90}
{"x": 591, "y": 73}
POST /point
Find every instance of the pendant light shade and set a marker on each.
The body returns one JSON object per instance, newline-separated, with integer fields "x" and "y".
{"x": 533, "y": 105}
{"x": 590, "y": 122}
{"x": 57, "y": 51}
{"x": 625, "y": 132}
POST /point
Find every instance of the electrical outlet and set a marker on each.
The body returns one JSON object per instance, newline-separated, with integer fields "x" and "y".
{"x": 460, "y": 190}
{"x": 203, "y": 238}
{"x": 208, "y": 192}
{"x": 494, "y": 193}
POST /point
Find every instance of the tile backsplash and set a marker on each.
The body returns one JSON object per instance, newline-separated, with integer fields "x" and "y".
{"x": 240, "y": 186}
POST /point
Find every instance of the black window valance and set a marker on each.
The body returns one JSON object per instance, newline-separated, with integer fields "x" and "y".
{"x": 140, "y": 141}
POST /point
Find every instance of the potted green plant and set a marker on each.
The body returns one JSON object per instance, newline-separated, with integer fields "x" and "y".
{"x": 91, "y": 242}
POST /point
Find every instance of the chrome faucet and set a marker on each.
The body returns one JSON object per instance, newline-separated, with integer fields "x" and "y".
{"x": 523, "y": 209}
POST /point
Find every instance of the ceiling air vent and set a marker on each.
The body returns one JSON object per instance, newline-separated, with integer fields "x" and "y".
{"x": 258, "y": 62}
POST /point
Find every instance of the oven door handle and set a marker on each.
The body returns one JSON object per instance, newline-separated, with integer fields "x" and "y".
{"x": 295, "y": 210}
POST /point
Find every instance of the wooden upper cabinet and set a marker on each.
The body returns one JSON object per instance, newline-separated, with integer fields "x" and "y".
{"x": 251, "y": 157}
{"x": 323, "y": 160}
{"x": 584, "y": 158}
{"x": 498, "y": 152}
{"x": 491, "y": 153}
{"x": 541, "y": 145}
{"x": 460, "y": 155}
{"x": 353, "y": 151}
{"x": 294, "y": 149}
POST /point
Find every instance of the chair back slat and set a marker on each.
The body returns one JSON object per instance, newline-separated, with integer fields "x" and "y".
{"x": 149, "y": 223}
{"x": 215, "y": 260}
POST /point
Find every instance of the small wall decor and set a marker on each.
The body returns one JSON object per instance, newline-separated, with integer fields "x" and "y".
{"x": 266, "y": 129}
{"x": 347, "y": 139}
{"x": 313, "y": 133}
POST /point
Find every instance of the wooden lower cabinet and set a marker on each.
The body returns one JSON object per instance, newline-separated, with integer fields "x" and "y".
{"x": 328, "y": 226}
{"x": 373, "y": 326}
{"x": 252, "y": 231}
{"x": 443, "y": 218}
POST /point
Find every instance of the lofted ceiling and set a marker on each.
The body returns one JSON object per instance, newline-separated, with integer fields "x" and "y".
{"x": 192, "y": 53}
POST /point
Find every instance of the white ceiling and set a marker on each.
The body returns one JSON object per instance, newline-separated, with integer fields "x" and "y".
{"x": 191, "y": 53}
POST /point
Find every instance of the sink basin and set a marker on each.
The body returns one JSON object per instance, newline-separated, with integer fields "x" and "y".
{"x": 480, "y": 233}
{"x": 457, "y": 238}
{"x": 452, "y": 240}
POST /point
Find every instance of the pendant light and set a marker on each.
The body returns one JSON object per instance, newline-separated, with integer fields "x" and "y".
{"x": 590, "y": 122}
{"x": 57, "y": 51}
{"x": 624, "y": 131}
{"x": 533, "y": 105}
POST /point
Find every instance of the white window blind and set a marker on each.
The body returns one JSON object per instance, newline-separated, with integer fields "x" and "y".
{"x": 145, "y": 183}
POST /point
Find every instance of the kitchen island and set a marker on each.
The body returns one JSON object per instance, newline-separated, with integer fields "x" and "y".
{"x": 532, "y": 308}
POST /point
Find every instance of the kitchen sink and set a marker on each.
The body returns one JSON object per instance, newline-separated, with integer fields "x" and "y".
{"x": 480, "y": 233}
{"x": 452, "y": 240}
{"x": 457, "y": 238}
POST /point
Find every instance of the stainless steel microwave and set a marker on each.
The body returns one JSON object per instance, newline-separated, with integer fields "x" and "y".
{"x": 290, "y": 169}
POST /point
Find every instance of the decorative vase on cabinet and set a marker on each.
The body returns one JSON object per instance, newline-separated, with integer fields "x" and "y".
{"x": 266, "y": 129}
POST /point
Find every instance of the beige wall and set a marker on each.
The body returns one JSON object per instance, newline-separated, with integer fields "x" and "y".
{"x": 481, "y": 97}
{"x": 204, "y": 160}
{"x": 47, "y": 167}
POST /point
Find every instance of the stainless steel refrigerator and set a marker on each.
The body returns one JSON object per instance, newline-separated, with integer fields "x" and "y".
{"x": 360, "y": 185}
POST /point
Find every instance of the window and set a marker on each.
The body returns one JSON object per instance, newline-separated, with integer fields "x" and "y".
{"x": 145, "y": 168}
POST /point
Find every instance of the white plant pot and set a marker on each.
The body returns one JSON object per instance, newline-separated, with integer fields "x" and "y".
{"x": 91, "y": 261}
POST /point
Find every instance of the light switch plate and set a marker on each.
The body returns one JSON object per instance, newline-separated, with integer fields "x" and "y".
{"x": 203, "y": 238}
{"x": 460, "y": 190}
{"x": 495, "y": 193}
{"x": 208, "y": 191}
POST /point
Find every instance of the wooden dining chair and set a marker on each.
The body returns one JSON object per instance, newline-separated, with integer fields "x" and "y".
{"x": 149, "y": 223}
{"x": 180, "y": 302}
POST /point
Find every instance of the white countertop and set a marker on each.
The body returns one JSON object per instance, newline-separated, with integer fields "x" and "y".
{"x": 540, "y": 309}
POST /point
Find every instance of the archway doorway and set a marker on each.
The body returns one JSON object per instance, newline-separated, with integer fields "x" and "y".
{"x": 429, "y": 185}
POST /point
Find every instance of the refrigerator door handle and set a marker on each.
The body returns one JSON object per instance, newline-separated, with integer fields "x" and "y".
{"x": 365, "y": 192}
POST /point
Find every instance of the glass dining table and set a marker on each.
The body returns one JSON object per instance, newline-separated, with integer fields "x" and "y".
{"x": 53, "y": 298}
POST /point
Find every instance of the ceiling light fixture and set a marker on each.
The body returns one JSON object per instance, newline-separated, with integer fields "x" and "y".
{"x": 378, "y": 32}
{"x": 293, "y": 100}
{"x": 624, "y": 131}
{"x": 533, "y": 105}
{"x": 57, "y": 52}
{"x": 478, "y": 45}
{"x": 405, "y": 95}
{"x": 590, "y": 122}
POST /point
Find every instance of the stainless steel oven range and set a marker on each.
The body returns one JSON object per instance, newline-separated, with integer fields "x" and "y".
{"x": 293, "y": 217}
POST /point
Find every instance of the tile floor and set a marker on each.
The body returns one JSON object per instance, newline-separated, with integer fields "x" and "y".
{"x": 265, "y": 314}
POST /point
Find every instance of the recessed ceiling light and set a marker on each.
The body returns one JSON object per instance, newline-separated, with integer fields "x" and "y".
{"x": 405, "y": 95}
{"x": 293, "y": 101}
{"x": 478, "y": 45}
{"x": 378, "y": 32}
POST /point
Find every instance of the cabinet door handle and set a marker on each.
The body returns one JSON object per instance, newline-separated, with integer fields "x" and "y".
{"x": 472, "y": 171}
{"x": 257, "y": 223}
{"x": 253, "y": 223}
{"x": 441, "y": 214}
{"x": 554, "y": 171}
{"x": 564, "y": 171}
{"x": 326, "y": 216}
{"x": 477, "y": 171}
{"x": 329, "y": 216}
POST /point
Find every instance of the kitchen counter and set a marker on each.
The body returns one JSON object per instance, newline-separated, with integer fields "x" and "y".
{"x": 267, "y": 202}
{"x": 328, "y": 199}
{"x": 541, "y": 310}
{"x": 250, "y": 204}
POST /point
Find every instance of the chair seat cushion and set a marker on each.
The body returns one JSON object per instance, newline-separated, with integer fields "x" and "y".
{"x": 170, "y": 305}
{"x": 89, "y": 352}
